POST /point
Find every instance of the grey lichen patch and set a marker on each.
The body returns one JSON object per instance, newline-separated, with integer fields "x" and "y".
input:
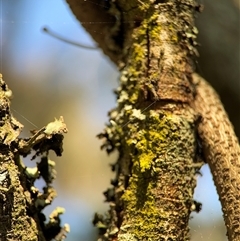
{"x": 123, "y": 97}
{"x": 58, "y": 126}
{"x": 45, "y": 139}
{"x": 53, "y": 228}
{"x": 44, "y": 199}
{"x": 138, "y": 114}
{"x": 63, "y": 233}
{"x": 32, "y": 172}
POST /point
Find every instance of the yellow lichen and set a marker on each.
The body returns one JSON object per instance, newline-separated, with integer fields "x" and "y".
{"x": 145, "y": 161}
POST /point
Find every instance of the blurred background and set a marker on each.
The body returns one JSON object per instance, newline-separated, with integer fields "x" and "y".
{"x": 50, "y": 78}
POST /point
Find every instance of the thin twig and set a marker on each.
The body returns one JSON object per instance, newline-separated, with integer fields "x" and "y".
{"x": 57, "y": 36}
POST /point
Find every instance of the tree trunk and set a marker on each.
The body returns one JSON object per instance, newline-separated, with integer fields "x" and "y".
{"x": 164, "y": 123}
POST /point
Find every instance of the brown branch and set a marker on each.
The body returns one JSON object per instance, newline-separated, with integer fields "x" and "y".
{"x": 98, "y": 21}
{"x": 21, "y": 203}
{"x": 153, "y": 127}
{"x": 222, "y": 153}
{"x": 221, "y": 148}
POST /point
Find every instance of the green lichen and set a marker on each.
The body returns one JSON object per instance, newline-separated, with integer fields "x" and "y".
{"x": 155, "y": 170}
{"x": 148, "y": 142}
{"x": 145, "y": 160}
{"x": 141, "y": 208}
{"x": 154, "y": 144}
{"x": 136, "y": 78}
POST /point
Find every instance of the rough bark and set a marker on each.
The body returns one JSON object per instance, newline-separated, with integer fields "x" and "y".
{"x": 21, "y": 203}
{"x": 154, "y": 126}
{"x": 161, "y": 104}
{"x": 222, "y": 152}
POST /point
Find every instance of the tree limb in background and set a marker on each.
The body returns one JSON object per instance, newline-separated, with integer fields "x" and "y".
{"x": 21, "y": 203}
{"x": 221, "y": 151}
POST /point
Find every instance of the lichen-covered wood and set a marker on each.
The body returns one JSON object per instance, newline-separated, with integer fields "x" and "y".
{"x": 21, "y": 203}
{"x": 154, "y": 126}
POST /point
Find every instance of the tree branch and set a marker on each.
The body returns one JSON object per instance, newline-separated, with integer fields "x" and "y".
{"x": 96, "y": 17}
{"x": 21, "y": 203}
{"x": 222, "y": 153}
{"x": 153, "y": 127}
{"x": 157, "y": 77}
